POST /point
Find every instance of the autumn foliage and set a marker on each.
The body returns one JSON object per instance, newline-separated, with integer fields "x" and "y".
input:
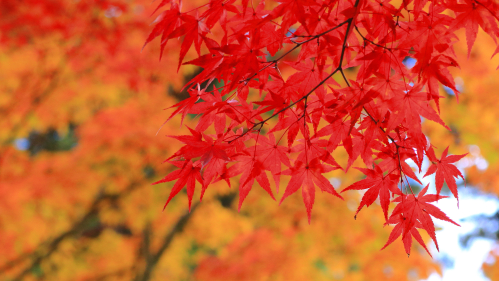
{"x": 81, "y": 101}
{"x": 277, "y": 97}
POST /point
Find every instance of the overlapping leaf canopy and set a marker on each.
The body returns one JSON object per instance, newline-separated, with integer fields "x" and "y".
{"x": 289, "y": 61}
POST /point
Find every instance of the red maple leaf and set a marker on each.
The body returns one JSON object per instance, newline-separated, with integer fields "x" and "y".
{"x": 166, "y": 22}
{"x": 411, "y": 106}
{"x": 187, "y": 175}
{"x": 194, "y": 29}
{"x": 185, "y": 105}
{"x": 400, "y": 228}
{"x": 416, "y": 211}
{"x": 445, "y": 170}
{"x": 470, "y": 15}
{"x": 379, "y": 185}
{"x": 272, "y": 155}
{"x": 196, "y": 147}
{"x": 251, "y": 168}
{"x": 307, "y": 176}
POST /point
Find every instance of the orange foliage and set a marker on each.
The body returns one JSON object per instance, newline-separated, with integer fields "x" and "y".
{"x": 88, "y": 211}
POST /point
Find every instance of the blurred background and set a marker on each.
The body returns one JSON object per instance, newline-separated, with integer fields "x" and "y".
{"x": 80, "y": 107}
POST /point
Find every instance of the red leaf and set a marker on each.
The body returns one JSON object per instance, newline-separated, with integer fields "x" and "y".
{"x": 307, "y": 176}
{"x": 400, "y": 228}
{"x": 416, "y": 212}
{"x": 445, "y": 170}
{"x": 378, "y": 185}
{"x": 252, "y": 169}
{"x": 187, "y": 176}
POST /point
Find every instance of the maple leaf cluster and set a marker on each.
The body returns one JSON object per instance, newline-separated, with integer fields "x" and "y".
{"x": 246, "y": 46}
